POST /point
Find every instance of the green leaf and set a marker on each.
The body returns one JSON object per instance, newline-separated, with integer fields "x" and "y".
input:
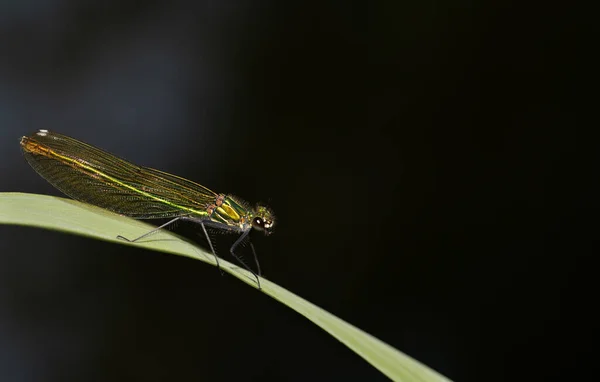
{"x": 69, "y": 216}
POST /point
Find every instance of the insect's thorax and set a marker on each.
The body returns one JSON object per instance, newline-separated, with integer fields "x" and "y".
{"x": 231, "y": 212}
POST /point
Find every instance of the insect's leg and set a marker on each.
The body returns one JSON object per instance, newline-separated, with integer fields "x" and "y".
{"x": 242, "y": 237}
{"x": 256, "y": 259}
{"x": 232, "y": 250}
{"x": 150, "y": 232}
{"x": 211, "y": 246}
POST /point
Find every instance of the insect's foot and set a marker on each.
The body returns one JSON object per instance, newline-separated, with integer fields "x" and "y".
{"x": 124, "y": 238}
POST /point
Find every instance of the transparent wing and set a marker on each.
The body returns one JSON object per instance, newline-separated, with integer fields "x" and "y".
{"x": 91, "y": 175}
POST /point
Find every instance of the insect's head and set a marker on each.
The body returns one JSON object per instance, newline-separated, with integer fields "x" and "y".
{"x": 263, "y": 219}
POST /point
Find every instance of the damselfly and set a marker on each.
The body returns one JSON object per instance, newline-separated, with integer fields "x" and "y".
{"x": 91, "y": 175}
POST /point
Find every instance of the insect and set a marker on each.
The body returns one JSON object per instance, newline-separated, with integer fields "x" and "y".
{"x": 91, "y": 175}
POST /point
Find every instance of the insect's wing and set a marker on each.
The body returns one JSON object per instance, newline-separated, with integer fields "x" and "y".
{"x": 91, "y": 175}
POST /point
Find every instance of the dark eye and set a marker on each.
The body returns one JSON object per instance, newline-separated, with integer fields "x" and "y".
{"x": 258, "y": 223}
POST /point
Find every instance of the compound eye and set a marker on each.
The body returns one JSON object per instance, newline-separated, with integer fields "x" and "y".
{"x": 258, "y": 223}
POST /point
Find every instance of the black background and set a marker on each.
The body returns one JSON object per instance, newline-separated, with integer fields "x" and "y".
{"x": 423, "y": 160}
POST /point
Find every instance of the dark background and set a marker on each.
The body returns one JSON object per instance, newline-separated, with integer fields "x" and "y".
{"x": 423, "y": 160}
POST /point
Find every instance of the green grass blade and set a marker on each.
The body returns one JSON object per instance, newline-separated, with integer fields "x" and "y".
{"x": 69, "y": 216}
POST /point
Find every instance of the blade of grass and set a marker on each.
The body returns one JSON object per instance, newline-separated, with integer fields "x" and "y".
{"x": 69, "y": 216}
